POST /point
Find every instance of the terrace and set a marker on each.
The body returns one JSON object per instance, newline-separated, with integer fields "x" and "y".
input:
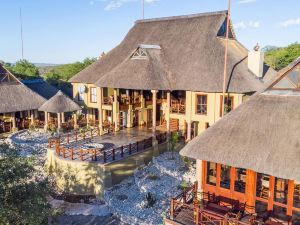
{"x": 193, "y": 207}
{"x": 89, "y": 146}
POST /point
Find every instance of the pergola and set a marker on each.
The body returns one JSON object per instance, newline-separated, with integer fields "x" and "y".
{"x": 59, "y": 104}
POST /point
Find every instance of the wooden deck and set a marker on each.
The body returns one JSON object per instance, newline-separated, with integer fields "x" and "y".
{"x": 188, "y": 209}
{"x": 82, "y": 146}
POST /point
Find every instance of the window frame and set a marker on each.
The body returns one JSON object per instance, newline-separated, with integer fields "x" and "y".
{"x": 93, "y": 95}
{"x": 196, "y": 104}
{"x": 221, "y": 103}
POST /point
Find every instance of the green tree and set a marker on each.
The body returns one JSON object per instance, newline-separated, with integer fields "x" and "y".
{"x": 25, "y": 69}
{"x": 22, "y": 191}
{"x": 67, "y": 71}
{"x": 278, "y": 58}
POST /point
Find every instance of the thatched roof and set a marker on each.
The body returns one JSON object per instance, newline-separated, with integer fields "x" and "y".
{"x": 41, "y": 87}
{"x": 261, "y": 134}
{"x": 59, "y": 103}
{"x": 15, "y": 96}
{"x": 191, "y": 58}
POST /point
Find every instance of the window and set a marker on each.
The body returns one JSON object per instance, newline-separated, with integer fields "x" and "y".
{"x": 93, "y": 94}
{"x": 140, "y": 53}
{"x": 81, "y": 91}
{"x": 297, "y": 194}
{"x": 201, "y": 105}
{"x": 240, "y": 180}
{"x": 211, "y": 175}
{"x": 281, "y": 190}
{"x": 225, "y": 176}
{"x": 228, "y": 104}
{"x": 263, "y": 185}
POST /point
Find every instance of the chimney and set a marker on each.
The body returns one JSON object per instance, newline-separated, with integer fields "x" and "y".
{"x": 256, "y": 61}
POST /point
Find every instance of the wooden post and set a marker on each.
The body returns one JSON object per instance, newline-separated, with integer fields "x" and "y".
{"x": 115, "y": 110}
{"x": 76, "y": 136}
{"x": 63, "y": 120}
{"x": 72, "y": 153}
{"x": 196, "y": 215}
{"x": 250, "y": 189}
{"x": 172, "y": 209}
{"x": 13, "y": 118}
{"x": 154, "y": 96}
{"x": 58, "y": 121}
{"x": 31, "y": 118}
{"x": 46, "y": 121}
{"x": 75, "y": 121}
{"x": 168, "y": 111}
{"x": 100, "y": 109}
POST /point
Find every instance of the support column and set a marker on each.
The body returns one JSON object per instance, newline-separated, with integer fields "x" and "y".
{"x": 154, "y": 96}
{"x": 199, "y": 174}
{"x": 129, "y": 116}
{"x": 75, "y": 121}
{"x": 13, "y": 118}
{"x": 116, "y": 109}
{"x": 100, "y": 109}
{"x": 142, "y": 100}
{"x": 32, "y": 118}
{"x": 46, "y": 121}
{"x": 168, "y": 111}
{"x": 58, "y": 121}
{"x": 36, "y": 114}
{"x": 63, "y": 117}
{"x": 250, "y": 189}
{"x": 189, "y": 131}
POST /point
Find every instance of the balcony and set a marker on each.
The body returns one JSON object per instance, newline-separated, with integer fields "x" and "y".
{"x": 178, "y": 106}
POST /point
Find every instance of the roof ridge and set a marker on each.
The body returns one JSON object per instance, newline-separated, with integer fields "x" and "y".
{"x": 189, "y": 16}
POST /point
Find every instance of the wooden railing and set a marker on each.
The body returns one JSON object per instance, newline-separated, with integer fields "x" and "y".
{"x": 178, "y": 106}
{"x": 186, "y": 207}
{"x": 73, "y": 137}
{"x": 100, "y": 155}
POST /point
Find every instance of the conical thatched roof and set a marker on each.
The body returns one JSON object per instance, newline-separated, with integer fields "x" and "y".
{"x": 191, "y": 58}
{"x": 59, "y": 103}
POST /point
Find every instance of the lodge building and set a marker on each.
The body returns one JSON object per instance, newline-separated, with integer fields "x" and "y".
{"x": 168, "y": 73}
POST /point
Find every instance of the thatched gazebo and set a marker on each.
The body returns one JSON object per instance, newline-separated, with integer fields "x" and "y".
{"x": 59, "y": 104}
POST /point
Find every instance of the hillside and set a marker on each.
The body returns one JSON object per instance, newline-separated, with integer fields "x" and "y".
{"x": 279, "y": 58}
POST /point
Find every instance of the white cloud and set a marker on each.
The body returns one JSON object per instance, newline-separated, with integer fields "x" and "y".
{"x": 115, "y": 4}
{"x": 243, "y": 25}
{"x": 291, "y": 22}
{"x": 240, "y": 25}
{"x": 254, "y": 24}
{"x": 245, "y": 1}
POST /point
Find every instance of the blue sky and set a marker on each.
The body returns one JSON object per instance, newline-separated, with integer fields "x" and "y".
{"x": 63, "y": 31}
